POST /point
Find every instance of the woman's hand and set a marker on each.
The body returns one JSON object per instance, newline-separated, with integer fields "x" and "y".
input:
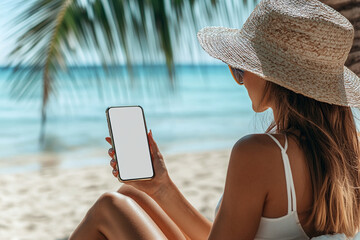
{"x": 161, "y": 177}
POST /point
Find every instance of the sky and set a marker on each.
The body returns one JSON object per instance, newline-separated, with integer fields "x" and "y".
{"x": 187, "y": 50}
{"x": 5, "y": 44}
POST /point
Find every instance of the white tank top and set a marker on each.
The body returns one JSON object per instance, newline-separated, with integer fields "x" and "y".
{"x": 288, "y": 226}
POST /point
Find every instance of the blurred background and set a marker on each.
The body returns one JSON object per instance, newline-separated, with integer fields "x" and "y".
{"x": 63, "y": 62}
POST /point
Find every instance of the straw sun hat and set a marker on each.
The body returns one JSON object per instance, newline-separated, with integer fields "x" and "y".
{"x": 301, "y": 45}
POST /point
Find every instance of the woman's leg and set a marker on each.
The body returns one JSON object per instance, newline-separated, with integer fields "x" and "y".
{"x": 111, "y": 210}
{"x": 157, "y": 214}
{"x": 116, "y": 216}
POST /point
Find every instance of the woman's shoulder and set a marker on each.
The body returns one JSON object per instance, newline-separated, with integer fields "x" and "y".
{"x": 253, "y": 166}
{"x": 256, "y": 153}
{"x": 258, "y": 145}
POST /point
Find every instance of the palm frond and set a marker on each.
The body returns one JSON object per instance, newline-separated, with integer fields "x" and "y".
{"x": 53, "y": 34}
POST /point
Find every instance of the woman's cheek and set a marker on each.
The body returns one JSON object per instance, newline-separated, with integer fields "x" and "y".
{"x": 249, "y": 85}
{"x": 255, "y": 88}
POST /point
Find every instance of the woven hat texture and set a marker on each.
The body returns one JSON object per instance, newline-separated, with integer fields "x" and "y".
{"x": 301, "y": 45}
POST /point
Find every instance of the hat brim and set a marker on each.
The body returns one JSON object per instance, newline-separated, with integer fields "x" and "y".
{"x": 235, "y": 48}
{"x": 229, "y": 46}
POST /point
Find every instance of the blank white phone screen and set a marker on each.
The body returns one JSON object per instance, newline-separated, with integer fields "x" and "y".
{"x": 131, "y": 145}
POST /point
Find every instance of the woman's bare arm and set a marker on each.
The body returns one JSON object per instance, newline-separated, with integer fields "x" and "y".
{"x": 243, "y": 200}
{"x": 189, "y": 219}
{"x": 162, "y": 189}
{"x": 245, "y": 191}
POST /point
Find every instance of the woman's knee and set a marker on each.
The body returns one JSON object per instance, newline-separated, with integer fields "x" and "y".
{"x": 108, "y": 198}
{"x": 111, "y": 200}
{"x": 108, "y": 204}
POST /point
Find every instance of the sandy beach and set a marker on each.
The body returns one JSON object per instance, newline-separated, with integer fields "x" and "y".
{"x": 49, "y": 203}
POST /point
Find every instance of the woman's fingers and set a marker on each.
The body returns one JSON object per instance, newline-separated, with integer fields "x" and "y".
{"x": 111, "y": 152}
{"x": 150, "y": 144}
{"x": 154, "y": 147}
{"x": 115, "y": 172}
{"x": 153, "y": 143}
{"x": 113, "y": 163}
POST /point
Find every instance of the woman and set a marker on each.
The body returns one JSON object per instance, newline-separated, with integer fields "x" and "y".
{"x": 301, "y": 181}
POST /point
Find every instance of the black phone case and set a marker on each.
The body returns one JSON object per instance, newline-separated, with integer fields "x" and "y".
{"x": 113, "y": 145}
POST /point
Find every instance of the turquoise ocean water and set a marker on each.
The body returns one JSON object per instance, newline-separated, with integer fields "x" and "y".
{"x": 206, "y": 110}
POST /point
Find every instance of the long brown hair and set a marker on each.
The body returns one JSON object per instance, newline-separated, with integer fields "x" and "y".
{"x": 329, "y": 139}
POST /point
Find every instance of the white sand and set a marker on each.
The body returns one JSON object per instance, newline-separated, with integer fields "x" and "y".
{"x": 50, "y": 203}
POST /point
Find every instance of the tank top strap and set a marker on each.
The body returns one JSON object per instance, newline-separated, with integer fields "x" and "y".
{"x": 278, "y": 143}
{"x": 290, "y": 188}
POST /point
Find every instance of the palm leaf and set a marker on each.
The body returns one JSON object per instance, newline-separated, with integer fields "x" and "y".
{"x": 51, "y": 33}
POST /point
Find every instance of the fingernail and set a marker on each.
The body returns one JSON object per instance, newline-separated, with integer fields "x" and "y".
{"x": 150, "y": 133}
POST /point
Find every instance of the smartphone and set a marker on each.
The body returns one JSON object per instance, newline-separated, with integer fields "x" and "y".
{"x": 129, "y": 139}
